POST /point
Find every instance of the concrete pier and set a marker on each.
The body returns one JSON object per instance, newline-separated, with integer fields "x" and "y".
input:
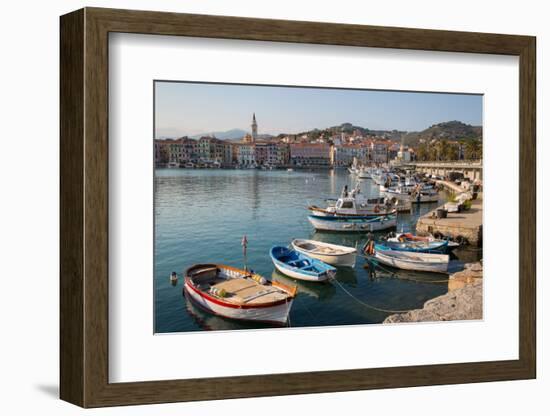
{"x": 466, "y": 224}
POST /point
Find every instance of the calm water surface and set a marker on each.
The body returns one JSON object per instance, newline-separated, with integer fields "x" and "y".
{"x": 202, "y": 215}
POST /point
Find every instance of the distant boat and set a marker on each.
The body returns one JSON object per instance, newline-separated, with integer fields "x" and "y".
{"x": 364, "y": 173}
{"x": 329, "y": 253}
{"x": 238, "y": 294}
{"x": 425, "y": 262}
{"x": 353, "y": 224}
{"x": 415, "y": 196}
{"x": 299, "y": 266}
{"x": 290, "y": 170}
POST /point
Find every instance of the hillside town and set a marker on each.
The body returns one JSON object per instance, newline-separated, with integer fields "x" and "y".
{"x": 325, "y": 149}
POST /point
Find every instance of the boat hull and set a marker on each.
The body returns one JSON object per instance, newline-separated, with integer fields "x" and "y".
{"x": 339, "y": 260}
{"x": 281, "y": 267}
{"x": 363, "y": 213}
{"x": 415, "y": 247}
{"x": 352, "y": 224}
{"x": 276, "y": 314}
{"x": 405, "y": 264}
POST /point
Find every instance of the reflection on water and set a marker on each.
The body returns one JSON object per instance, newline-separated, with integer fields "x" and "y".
{"x": 201, "y": 216}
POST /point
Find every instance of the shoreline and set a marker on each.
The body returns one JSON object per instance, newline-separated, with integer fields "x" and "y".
{"x": 463, "y": 301}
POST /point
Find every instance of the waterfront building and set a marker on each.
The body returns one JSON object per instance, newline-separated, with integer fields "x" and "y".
{"x": 246, "y": 155}
{"x": 343, "y": 155}
{"x": 175, "y": 153}
{"x": 204, "y": 148}
{"x": 227, "y": 153}
{"x": 379, "y": 151}
{"x": 278, "y": 154}
{"x": 189, "y": 150}
{"x": 310, "y": 154}
{"x": 211, "y": 150}
{"x": 162, "y": 152}
{"x": 260, "y": 153}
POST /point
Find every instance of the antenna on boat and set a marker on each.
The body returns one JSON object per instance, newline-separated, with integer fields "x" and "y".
{"x": 244, "y": 243}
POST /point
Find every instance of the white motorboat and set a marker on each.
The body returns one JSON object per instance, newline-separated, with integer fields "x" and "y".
{"x": 326, "y": 252}
{"x": 353, "y": 204}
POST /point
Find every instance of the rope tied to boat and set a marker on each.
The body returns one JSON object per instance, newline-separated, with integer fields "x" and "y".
{"x": 368, "y": 305}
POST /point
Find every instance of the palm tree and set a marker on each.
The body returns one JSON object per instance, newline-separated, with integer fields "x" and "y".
{"x": 473, "y": 150}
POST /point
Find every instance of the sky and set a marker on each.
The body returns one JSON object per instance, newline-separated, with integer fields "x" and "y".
{"x": 193, "y": 108}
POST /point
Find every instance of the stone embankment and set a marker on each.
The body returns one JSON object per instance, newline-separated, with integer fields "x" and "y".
{"x": 465, "y": 226}
{"x": 464, "y": 301}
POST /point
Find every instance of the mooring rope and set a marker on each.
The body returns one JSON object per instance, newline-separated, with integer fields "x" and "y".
{"x": 366, "y": 304}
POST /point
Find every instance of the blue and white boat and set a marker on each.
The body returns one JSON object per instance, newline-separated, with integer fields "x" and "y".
{"x": 299, "y": 266}
{"x": 438, "y": 246}
{"x": 353, "y": 224}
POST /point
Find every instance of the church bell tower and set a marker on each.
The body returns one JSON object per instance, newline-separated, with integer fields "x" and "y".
{"x": 254, "y": 128}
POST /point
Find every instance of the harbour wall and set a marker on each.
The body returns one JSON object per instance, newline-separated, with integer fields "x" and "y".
{"x": 463, "y": 301}
{"x": 466, "y": 225}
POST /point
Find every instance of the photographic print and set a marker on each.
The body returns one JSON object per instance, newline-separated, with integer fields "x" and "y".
{"x": 294, "y": 206}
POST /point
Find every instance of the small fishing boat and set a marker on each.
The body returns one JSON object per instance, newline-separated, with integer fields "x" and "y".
{"x": 353, "y": 224}
{"x": 408, "y": 237}
{"x": 414, "y": 246}
{"x": 238, "y": 294}
{"x": 299, "y": 266}
{"x": 326, "y": 252}
{"x": 425, "y": 262}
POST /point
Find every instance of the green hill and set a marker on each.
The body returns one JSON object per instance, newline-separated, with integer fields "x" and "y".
{"x": 449, "y": 130}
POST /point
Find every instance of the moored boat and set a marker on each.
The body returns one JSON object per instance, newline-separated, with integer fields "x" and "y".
{"x": 238, "y": 294}
{"x": 353, "y": 224}
{"x": 414, "y": 246}
{"x": 333, "y": 254}
{"x": 300, "y": 266}
{"x": 408, "y": 237}
{"x": 425, "y": 262}
{"x": 353, "y": 204}
{"x": 416, "y": 195}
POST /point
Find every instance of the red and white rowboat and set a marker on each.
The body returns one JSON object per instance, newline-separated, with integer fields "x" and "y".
{"x": 238, "y": 294}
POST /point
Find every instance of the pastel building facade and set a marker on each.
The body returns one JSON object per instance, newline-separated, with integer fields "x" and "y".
{"x": 310, "y": 154}
{"x": 343, "y": 155}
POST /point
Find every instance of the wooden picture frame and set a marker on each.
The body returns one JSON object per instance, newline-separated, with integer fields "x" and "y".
{"x": 84, "y": 207}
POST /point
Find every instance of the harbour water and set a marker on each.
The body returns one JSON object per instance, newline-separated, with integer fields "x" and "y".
{"x": 201, "y": 216}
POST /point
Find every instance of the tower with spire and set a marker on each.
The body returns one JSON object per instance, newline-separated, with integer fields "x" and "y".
{"x": 254, "y": 126}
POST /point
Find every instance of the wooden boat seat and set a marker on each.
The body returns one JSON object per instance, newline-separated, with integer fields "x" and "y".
{"x": 248, "y": 291}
